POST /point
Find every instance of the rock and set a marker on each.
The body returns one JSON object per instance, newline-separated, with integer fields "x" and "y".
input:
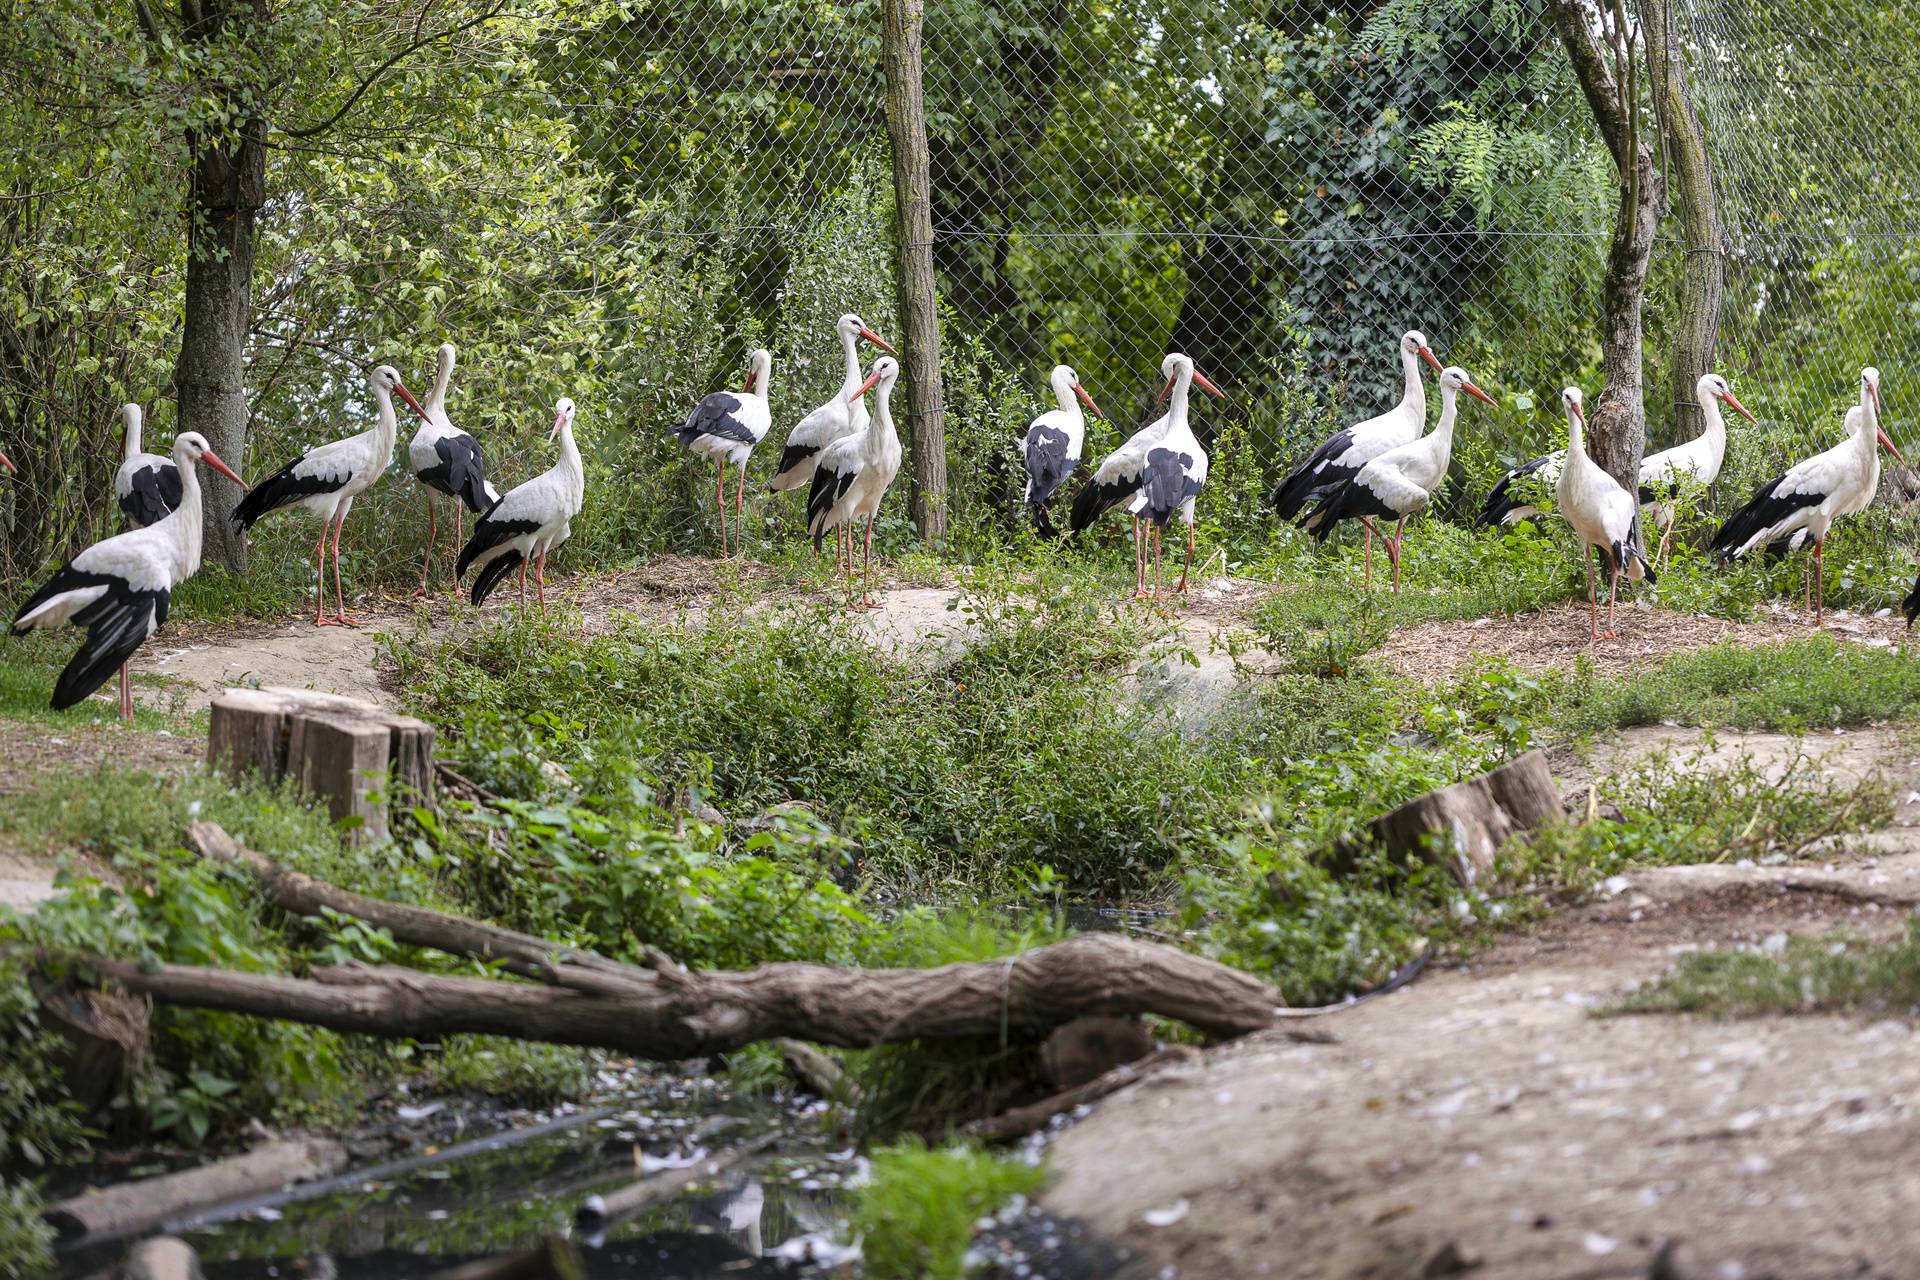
{"x": 161, "y": 1258}
{"x": 1449, "y": 1260}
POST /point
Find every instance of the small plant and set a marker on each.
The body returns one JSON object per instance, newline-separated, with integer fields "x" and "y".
{"x": 26, "y": 1240}
{"x": 916, "y": 1216}
{"x": 1790, "y": 975}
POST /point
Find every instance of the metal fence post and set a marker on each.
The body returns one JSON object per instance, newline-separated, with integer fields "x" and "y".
{"x": 902, "y": 23}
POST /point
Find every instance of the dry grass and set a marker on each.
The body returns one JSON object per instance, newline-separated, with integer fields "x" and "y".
{"x": 1556, "y": 637}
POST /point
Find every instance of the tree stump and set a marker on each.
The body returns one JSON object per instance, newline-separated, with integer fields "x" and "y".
{"x": 1462, "y": 826}
{"x": 359, "y": 756}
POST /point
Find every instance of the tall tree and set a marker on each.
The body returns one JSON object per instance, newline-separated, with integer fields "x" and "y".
{"x": 1600, "y": 46}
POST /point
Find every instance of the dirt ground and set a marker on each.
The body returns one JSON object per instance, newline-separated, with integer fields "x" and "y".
{"x": 1559, "y": 636}
{"x": 1486, "y": 1117}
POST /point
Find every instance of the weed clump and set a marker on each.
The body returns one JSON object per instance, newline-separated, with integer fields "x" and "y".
{"x": 915, "y": 1217}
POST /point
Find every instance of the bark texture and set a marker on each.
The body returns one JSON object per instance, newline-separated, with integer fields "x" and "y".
{"x": 1463, "y": 826}
{"x": 902, "y": 28}
{"x": 228, "y": 185}
{"x": 1617, "y": 421}
{"x": 1704, "y": 277}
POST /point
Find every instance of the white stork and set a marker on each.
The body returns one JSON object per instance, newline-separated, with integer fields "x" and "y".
{"x": 1175, "y": 468}
{"x": 1051, "y": 447}
{"x": 1601, "y": 512}
{"x": 1798, "y": 508}
{"x": 147, "y": 485}
{"x": 1340, "y": 458}
{"x": 447, "y": 460}
{"x": 118, "y": 588}
{"x": 844, "y": 415}
{"x": 1116, "y": 482}
{"x": 1662, "y": 475}
{"x": 1401, "y": 482}
{"x": 725, "y": 426}
{"x": 531, "y": 520}
{"x": 853, "y": 473}
{"x": 326, "y": 480}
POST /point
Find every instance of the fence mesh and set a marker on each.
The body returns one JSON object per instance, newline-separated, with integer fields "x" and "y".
{"x": 617, "y": 200}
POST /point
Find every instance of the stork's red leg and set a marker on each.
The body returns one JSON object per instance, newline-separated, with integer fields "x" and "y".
{"x": 1158, "y": 578}
{"x": 720, "y": 502}
{"x": 433, "y": 532}
{"x": 320, "y": 618}
{"x": 339, "y": 596}
{"x": 459, "y": 542}
{"x": 126, "y": 696}
{"x": 523, "y": 582}
{"x": 1593, "y": 605}
{"x": 739, "y": 530}
{"x": 1613, "y": 593}
{"x": 540, "y": 577}
{"x": 1819, "y": 585}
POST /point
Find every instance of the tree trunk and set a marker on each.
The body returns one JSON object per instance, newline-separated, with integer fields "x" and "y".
{"x": 228, "y": 185}
{"x": 902, "y": 23}
{"x": 1704, "y": 279}
{"x": 1617, "y": 424}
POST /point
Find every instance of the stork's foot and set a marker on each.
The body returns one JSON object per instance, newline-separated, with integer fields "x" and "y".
{"x": 1141, "y": 593}
{"x": 421, "y": 592}
{"x": 325, "y": 621}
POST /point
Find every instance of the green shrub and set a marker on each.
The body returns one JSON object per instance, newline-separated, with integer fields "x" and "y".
{"x": 916, "y": 1216}
{"x": 26, "y": 1241}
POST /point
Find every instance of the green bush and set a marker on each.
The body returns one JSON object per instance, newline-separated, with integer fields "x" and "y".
{"x": 916, "y": 1216}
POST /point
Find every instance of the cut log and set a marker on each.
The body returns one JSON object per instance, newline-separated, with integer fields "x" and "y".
{"x": 555, "y": 1259}
{"x": 359, "y": 756}
{"x": 129, "y": 1208}
{"x": 106, "y": 1036}
{"x": 161, "y": 1258}
{"x": 1021, "y": 1121}
{"x": 1463, "y": 826}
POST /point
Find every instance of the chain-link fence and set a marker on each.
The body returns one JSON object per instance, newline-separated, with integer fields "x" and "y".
{"x": 616, "y": 201}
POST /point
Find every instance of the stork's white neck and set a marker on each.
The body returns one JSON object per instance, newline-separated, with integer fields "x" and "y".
{"x": 570, "y": 466}
{"x": 1449, "y": 410}
{"x": 437, "y": 398}
{"x": 133, "y": 433}
{"x": 1063, "y": 395}
{"x": 851, "y": 383}
{"x": 880, "y": 429}
{"x": 1413, "y": 399}
{"x": 1715, "y": 432}
{"x": 1576, "y": 437}
{"x": 1177, "y": 401}
{"x": 185, "y": 521}
{"x": 386, "y": 426}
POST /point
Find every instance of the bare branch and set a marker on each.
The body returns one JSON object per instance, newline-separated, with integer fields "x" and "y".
{"x": 421, "y": 42}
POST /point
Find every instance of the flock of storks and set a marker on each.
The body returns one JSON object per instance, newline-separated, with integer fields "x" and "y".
{"x": 1388, "y": 467}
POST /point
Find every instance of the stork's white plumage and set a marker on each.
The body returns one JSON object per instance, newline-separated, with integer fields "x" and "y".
{"x": 118, "y": 588}
{"x": 530, "y": 521}
{"x": 326, "y": 480}
{"x": 1663, "y": 476}
{"x": 1051, "y": 448}
{"x": 1116, "y": 483}
{"x": 1602, "y": 514}
{"x": 725, "y": 426}
{"x": 844, "y": 415}
{"x": 1798, "y": 508}
{"x": 854, "y": 472}
{"x": 447, "y": 460}
{"x": 1175, "y": 467}
{"x": 1401, "y": 482}
{"x": 147, "y": 485}
{"x": 1340, "y": 458}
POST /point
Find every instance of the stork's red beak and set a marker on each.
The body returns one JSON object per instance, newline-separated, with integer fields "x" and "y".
{"x": 559, "y": 420}
{"x": 1426, "y": 353}
{"x": 407, "y": 395}
{"x": 1087, "y": 400}
{"x": 1472, "y": 390}
{"x": 1164, "y": 393}
{"x": 7, "y": 462}
{"x": 748, "y": 384}
{"x": 1207, "y": 385}
{"x": 873, "y": 380}
{"x": 212, "y": 459}
{"x": 1730, "y": 398}
{"x": 1579, "y": 413}
{"x": 877, "y": 341}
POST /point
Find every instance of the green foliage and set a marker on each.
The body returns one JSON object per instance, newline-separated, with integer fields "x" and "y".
{"x": 916, "y": 1215}
{"x": 37, "y": 1125}
{"x": 26, "y": 1240}
{"x": 530, "y": 1075}
{"x": 1795, "y": 974}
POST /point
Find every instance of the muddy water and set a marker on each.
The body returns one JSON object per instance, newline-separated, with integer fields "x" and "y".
{"x": 459, "y": 1196}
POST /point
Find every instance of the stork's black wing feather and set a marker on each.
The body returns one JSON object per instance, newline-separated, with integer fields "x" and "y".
{"x": 116, "y": 625}
{"x": 1351, "y": 501}
{"x": 152, "y": 495}
{"x": 716, "y": 415}
{"x": 1503, "y": 501}
{"x": 829, "y": 487}
{"x": 1097, "y": 497}
{"x": 1767, "y": 508}
{"x": 488, "y": 533}
{"x": 1315, "y": 478}
{"x": 489, "y": 577}
{"x": 281, "y": 489}
{"x": 1911, "y": 605}
{"x": 461, "y": 472}
{"x": 1168, "y": 482}
{"x": 1047, "y": 463}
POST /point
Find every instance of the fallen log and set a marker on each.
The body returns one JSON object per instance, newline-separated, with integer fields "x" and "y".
{"x": 302, "y": 895}
{"x": 129, "y": 1208}
{"x": 1462, "y": 826}
{"x": 599, "y": 1212}
{"x": 1021, "y": 1121}
{"x": 669, "y": 1013}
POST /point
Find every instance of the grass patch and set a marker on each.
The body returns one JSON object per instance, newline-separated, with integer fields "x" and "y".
{"x": 1839, "y": 972}
{"x": 915, "y": 1217}
{"x": 30, "y": 664}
